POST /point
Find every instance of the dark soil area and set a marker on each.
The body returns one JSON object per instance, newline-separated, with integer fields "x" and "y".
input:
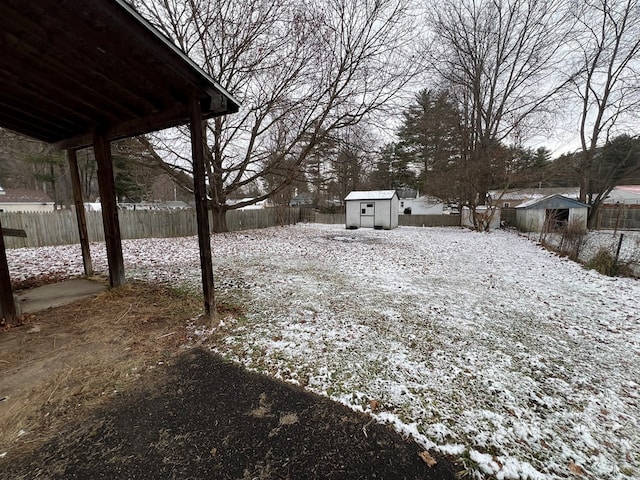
{"x": 105, "y": 388}
{"x": 206, "y": 418}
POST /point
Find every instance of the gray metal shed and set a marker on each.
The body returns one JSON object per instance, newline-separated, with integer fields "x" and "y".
{"x": 372, "y": 209}
{"x": 551, "y": 213}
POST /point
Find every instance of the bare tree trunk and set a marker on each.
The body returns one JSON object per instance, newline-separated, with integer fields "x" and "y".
{"x": 219, "y": 218}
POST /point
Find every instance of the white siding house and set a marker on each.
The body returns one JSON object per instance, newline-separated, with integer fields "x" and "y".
{"x": 373, "y": 209}
{"x": 22, "y": 200}
{"x": 423, "y": 205}
{"x": 551, "y": 212}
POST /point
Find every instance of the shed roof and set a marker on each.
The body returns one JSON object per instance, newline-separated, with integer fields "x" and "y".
{"x": 554, "y": 201}
{"x": 69, "y": 67}
{"x": 371, "y": 195}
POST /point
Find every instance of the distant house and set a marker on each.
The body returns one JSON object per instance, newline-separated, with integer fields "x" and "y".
{"x": 23, "y": 200}
{"x": 302, "y": 200}
{"x": 514, "y": 197}
{"x": 620, "y": 195}
{"x": 551, "y": 213}
{"x": 422, "y": 205}
{"x": 372, "y": 209}
{"x": 624, "y": 195}
{"x": 252, "y": 206}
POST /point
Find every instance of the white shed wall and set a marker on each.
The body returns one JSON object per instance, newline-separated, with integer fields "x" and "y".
{"x": 530, "y": 220}
{"x": 579, "y": 216}
{"x": 352, "y": 213}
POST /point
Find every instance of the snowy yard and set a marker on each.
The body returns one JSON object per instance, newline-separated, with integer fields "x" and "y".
{"x": 481, "y": 345}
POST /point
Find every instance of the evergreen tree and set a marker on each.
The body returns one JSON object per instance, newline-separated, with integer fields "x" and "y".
{"x": 393, "y": 169}
{"x": 430, "y": 133}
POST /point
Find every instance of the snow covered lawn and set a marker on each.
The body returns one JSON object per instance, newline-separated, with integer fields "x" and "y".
{"x": 481, "y": 345}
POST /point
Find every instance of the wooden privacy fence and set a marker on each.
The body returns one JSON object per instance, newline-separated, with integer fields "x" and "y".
{"x": 622, "y": 217}
{"x": 403, "y": 220}
{"x": 331, "y": 218}
{"x": 60, "y": 227}
{"x": 429, "y": 220}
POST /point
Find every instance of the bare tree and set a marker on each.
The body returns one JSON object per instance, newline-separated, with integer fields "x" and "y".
{"x": 498, "y": 58}
{"x": 608, "y": 88}
{"x": 301, "y": 70}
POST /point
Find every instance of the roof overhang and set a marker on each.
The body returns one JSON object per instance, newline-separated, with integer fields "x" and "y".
{"x": 69, "y": 68}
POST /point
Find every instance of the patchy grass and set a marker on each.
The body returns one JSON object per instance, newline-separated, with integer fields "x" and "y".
{"x": 65, "y": 361}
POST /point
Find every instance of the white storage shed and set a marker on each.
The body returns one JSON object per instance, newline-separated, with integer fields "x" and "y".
{"x": 372, "y": 209}
{"x": 551, "y": 213}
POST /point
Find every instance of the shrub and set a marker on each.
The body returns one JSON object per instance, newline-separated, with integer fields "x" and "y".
{"x": 605, "y": 263}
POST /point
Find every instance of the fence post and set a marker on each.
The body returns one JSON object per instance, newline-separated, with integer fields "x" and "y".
{"x": 619, "y": 246}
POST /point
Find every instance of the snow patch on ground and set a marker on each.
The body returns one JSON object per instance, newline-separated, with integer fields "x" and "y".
{"x": 480, "y": 345}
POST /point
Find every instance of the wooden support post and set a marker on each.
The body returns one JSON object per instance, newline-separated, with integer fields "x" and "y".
{"x": 106, "y": 184}
{"x": 80, "y": 215}
{"x": 6, "y": 292}
{"x": 202, "y": 213}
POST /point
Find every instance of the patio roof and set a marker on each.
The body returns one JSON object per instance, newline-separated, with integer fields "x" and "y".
{"x": 84, "y": 73}
{"x": 69, "y": 67}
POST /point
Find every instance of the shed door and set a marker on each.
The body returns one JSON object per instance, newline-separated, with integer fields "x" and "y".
{"x": 367, "y": 214}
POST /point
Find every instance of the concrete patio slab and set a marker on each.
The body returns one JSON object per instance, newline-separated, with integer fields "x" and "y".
{"x": 56, "y": 294}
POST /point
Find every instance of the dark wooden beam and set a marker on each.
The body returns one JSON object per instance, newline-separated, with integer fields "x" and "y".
{"x": 6, "y": 292}
{"x": 130, "y": 128}
{"x": 202, "y": 213}
{"x": 176, "y": 114}
{"x": 14, "y": 232}
{"x": 106, "y": 184}
{"x": 80, "y": 215}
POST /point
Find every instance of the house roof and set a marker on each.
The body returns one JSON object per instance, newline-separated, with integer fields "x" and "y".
{"x": 624, "y": 194}
{"x": 22, "y": 195}
{"x": 635, "y": 189}
{"x": 555, "y": 201}
{"x": 534, "y": 193}
{"x": 427, "y": 199}
{"x": 371, "y": 195}
{"x": 67, "y": 69}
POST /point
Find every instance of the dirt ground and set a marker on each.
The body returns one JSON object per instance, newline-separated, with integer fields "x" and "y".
{"x": 106, "y": 388}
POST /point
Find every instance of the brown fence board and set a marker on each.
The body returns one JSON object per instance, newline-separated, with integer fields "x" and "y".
{"x": 429, "y": 220}
{"x": 626, "y": 217}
